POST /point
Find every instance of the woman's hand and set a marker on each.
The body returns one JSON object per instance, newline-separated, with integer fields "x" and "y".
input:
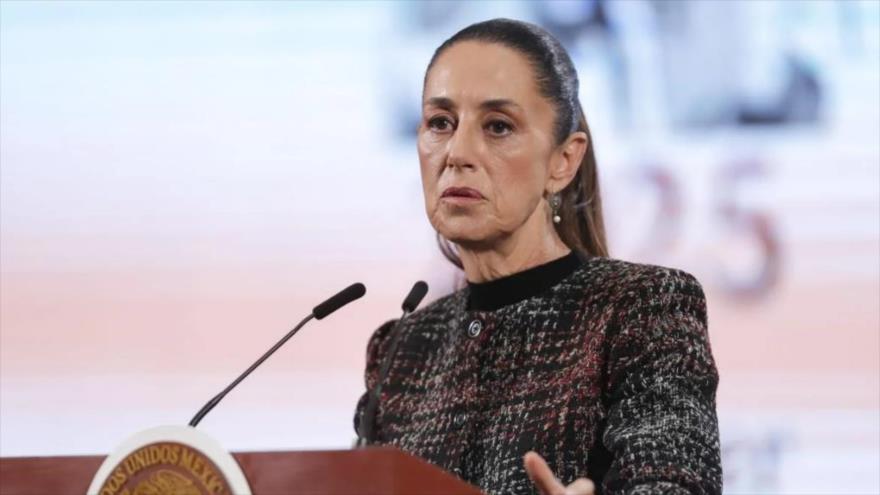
{"x": 548, "y": 484}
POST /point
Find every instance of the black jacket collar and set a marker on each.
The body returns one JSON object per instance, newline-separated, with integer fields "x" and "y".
{"x": 491, "y": 295}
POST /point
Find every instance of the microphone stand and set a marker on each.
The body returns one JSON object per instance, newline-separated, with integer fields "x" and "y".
{"x": 217, "y": 398}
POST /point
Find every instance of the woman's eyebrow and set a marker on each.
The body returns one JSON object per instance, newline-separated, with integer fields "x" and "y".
{"x": 493, "y": 104}
{"x": 441, "y": 102}
{"x": 499, "y": 104}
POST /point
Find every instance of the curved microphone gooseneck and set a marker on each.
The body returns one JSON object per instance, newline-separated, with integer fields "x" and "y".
{"x": 368, "y": 418}
{"x": 347, "y": 295}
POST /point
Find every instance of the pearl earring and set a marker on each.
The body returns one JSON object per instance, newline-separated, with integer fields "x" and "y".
{"x": 555, "y": 201}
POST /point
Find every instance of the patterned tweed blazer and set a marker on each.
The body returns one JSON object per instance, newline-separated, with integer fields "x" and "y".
{"x": 600, "y": 365}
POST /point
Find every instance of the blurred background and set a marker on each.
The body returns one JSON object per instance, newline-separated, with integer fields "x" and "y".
{"x": 182, "y": 182}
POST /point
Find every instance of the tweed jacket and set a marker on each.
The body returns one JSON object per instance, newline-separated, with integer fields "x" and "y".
{"x": 600, "y": 365}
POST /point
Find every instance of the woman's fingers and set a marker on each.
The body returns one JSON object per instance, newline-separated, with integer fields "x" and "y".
{"x": 542, "y": 476}
{"x": 581, "y": 486}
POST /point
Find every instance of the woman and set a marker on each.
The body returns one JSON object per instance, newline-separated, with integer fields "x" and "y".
{"x": 556, "y": 369}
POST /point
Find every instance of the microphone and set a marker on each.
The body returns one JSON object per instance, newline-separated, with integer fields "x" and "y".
{"x": 368, "y": 418}
{"x": 347, "y": 295}
{"x": 415, "y": 296}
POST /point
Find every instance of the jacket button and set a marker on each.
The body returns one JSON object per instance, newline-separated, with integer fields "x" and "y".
{"x": 475, "y": 328}
{"x": 459, "y": 420}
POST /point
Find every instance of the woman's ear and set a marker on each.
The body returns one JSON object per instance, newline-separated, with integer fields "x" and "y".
{"x": 567, "y": 160}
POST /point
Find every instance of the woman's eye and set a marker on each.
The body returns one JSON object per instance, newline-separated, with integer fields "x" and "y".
{"x": 440, "y": 124}
{"x": 499, "y": 127}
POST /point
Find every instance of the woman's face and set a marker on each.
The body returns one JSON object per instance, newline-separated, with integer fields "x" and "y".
{"x": 485, "y": 143}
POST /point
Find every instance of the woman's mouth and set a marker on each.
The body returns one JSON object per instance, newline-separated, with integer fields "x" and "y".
{"x": 461, "y": 195}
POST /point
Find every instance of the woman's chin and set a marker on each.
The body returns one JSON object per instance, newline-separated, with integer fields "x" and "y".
{"x": 468, "y": 229}
{"x": 467, "y": 237}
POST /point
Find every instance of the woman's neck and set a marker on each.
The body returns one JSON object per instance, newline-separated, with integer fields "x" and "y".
{"x": 533, "y": 244}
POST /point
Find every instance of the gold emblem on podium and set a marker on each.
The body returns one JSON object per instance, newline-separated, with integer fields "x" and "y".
{"x": 169, "y": 460}
{"x": 164, "y": 468}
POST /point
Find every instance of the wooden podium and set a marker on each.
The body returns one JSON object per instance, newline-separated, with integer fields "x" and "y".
{"x": 375, "y": 470}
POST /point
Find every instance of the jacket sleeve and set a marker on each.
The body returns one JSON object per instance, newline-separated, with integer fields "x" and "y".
{"x": 662, "y": 426}
{"x": 376, "y": 348}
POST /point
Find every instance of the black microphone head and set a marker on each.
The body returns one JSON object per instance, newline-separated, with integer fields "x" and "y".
{"x": 347, "y": 295}
{"x": 415, "y": 296}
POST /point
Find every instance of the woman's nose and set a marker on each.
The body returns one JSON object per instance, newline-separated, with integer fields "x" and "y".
{"x": 463, "y": 147}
